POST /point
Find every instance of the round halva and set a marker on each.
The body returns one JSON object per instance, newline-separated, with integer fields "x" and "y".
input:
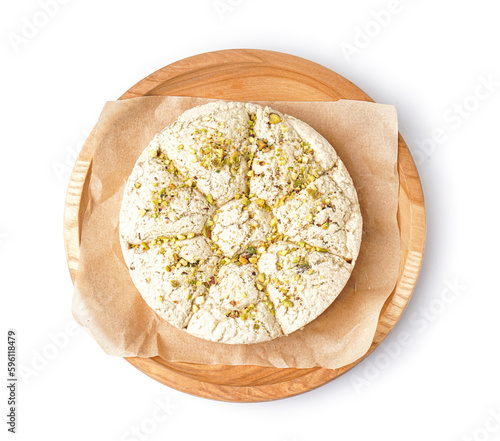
{"x": 239, "y": 224}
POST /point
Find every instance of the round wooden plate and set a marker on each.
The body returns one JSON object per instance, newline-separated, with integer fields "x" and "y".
{"x": 251, "y": 75}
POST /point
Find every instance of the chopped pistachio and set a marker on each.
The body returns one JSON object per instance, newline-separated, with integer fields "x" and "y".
{"x": 137, "y": 185}
{"x": 274, "y": 118}
{"x": 287, "y": 303}
{"x": 190, "y": 235}
{"x": 206, "y": 231}
{"x": 174, "y": 283}
{"x": 142, "y": 212}
{"x": 261, "y": 144}
{"x": 210, "y": 199}
{"x": 145, "y": 245}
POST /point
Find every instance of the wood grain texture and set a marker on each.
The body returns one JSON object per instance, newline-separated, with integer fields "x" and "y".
{"x": 256, "y": 75}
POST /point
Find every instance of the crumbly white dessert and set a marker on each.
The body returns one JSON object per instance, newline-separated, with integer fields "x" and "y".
{"x": 239, "y": 224}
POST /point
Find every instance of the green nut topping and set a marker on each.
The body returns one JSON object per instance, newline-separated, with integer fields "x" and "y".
{"x": 274, "y": 118}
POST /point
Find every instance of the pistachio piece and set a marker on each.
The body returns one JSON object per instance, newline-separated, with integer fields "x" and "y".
{"x": 210, "y": 199}
{"x": 206, "y": 231}
{"x": 274, "y": 118}
{"x": 287, "y": 303}
{"x": 261, "y": 144}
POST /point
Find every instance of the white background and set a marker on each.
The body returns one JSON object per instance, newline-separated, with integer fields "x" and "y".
{"x": 435, "y": 377}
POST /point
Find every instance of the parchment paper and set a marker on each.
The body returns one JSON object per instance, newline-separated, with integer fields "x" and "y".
{"x": 108, "y": 305}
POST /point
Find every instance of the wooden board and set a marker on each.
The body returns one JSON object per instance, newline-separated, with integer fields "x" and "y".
{"x": 251, "y": 75}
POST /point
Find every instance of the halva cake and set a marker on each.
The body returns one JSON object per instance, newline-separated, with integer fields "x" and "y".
{"x": 239, "y": 224}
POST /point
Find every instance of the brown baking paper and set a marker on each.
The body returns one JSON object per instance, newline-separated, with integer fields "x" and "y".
{"x": 109, "y": 306}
